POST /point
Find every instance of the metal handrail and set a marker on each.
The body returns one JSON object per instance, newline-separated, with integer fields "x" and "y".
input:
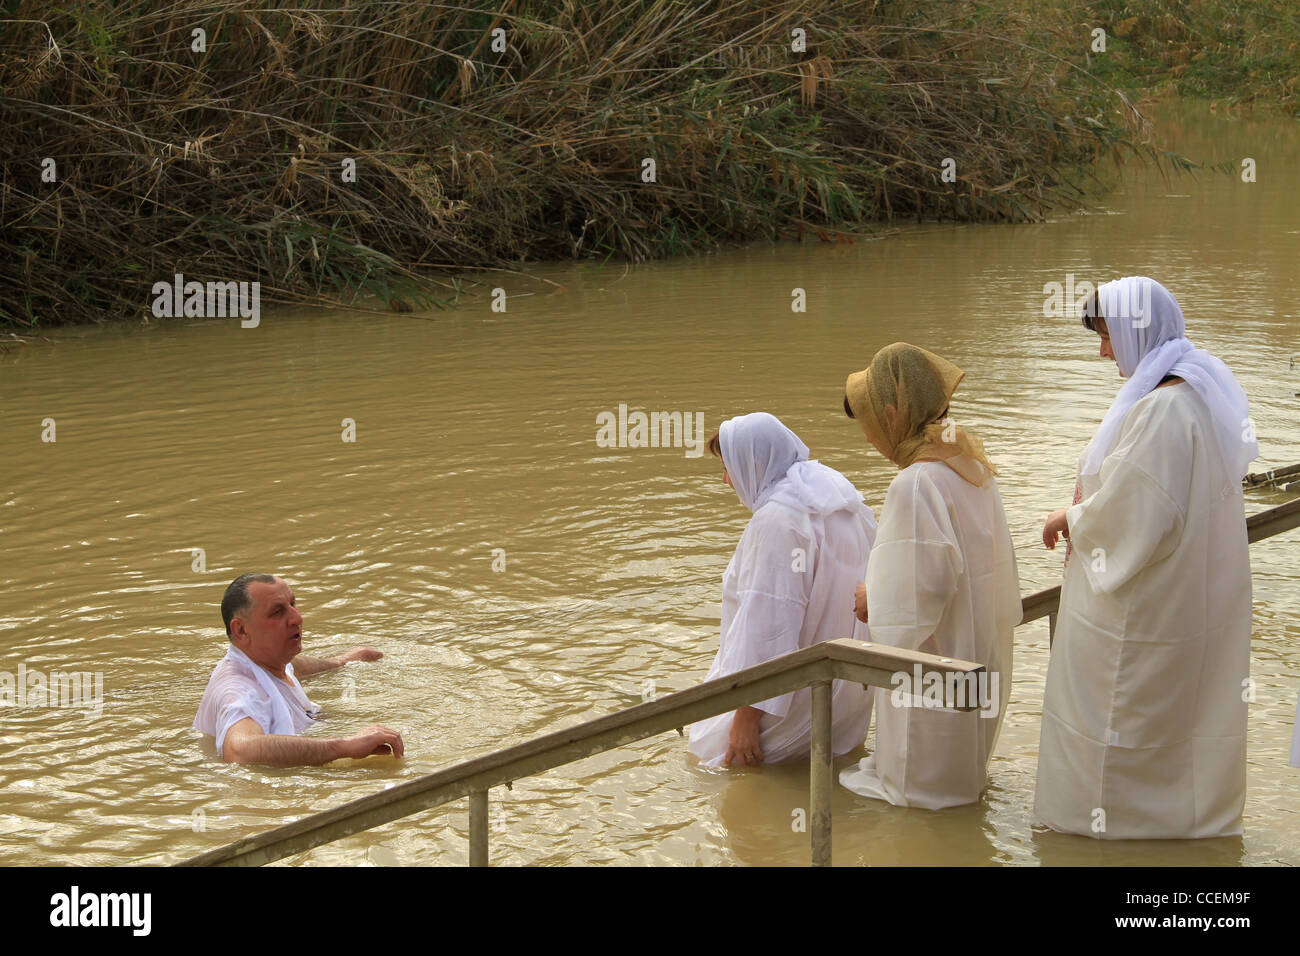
{"x": 815, "y": 667}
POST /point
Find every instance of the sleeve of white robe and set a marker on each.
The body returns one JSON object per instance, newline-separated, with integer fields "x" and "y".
{"x": 1136, "y": 517}
{"x": 772, "y": 597}
{"x": 915, "y": 564}
{"x": 229, "y": 698}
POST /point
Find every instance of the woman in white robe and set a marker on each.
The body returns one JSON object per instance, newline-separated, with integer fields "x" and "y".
{"x": 1144, "y": 717}
{"x": 942, "y": 579}
{"x": 785, "y": 589}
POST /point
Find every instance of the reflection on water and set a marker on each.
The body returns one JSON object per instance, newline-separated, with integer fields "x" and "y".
{"x": 476, "y": 431}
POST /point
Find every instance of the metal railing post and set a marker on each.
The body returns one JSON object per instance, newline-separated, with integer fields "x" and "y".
{"x": 819, "y": 784}
{"x": 478, "y": 828}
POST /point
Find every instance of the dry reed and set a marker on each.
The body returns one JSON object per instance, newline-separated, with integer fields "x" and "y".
{"x": 226, "y": 164}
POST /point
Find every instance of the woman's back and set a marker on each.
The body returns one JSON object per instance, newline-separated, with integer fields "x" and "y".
{"x": 789, "y": 586}
{"x": 948, "y": 541}
{"x": 942, "y": 579}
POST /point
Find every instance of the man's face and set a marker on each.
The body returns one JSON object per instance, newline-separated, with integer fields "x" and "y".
{"x": 270, "y": 633}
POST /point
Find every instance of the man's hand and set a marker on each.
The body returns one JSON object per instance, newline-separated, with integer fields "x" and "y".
{"x": 374, "y": 740}
{"x": 743, "y": 743}
{"x": 860, "y": 602}
{"x": 304, "y": 665}
{"x": 1055, "y": 526}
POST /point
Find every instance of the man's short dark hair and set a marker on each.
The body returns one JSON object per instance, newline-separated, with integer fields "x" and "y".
{"x": 237, "y": 600}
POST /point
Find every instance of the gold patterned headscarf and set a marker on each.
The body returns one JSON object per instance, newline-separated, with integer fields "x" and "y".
{"x": 917, "y": 386}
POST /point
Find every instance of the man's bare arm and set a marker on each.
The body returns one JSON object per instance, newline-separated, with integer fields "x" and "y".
{"x": 246, "y": 744}
{"x": 304, "y": 665}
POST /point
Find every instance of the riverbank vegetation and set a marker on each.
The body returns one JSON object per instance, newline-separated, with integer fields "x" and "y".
{"x": 369, "y": 152}
{"x": 1238, "y": 51}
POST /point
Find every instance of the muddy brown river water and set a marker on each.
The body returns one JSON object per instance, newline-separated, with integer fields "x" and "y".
{"x": 477, "y": 431}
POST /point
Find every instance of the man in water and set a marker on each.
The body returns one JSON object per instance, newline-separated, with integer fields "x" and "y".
{"x": 254, "y": 706}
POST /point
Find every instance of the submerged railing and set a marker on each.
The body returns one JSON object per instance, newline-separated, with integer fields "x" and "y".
{"x": 815, "y": 667}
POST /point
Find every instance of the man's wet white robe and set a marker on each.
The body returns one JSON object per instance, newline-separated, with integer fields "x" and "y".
{"x": 240, "y": 688}
{"x": 943, "y": 564}
{"x": 1144, "y": 718}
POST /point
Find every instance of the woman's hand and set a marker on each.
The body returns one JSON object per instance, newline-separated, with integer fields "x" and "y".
{"x": 860, "y": 602}
{"x": 1054, "y": 527}
{"x": 742, "y": 746}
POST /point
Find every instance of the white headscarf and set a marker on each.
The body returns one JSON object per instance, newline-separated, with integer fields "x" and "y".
{"x": 1147, "y": 334}
{"x": 768, "y": 462}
